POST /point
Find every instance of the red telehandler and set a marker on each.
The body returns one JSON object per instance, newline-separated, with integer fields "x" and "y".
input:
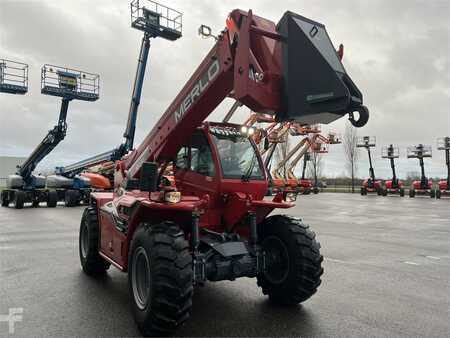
{"x": 424, "y": 186}
{"x": 214, "y": 224}
{"x": 394, "y": 185}
{"x": 444, "y": 185}
{"x": 371, "y": 184}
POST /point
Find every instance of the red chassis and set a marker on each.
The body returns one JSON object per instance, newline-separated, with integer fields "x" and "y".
{"x": 212, "y": 224}
{"x": 443, "y": 189}
{"x": 394, "y": 189}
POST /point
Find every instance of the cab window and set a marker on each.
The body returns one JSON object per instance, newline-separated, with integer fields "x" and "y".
{"x": 197, "y": 156}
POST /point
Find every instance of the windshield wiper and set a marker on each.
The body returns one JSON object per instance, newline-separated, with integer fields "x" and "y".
{"x": 248, "y": 173}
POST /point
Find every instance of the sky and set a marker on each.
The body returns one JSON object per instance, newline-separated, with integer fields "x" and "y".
{"x": 397, "y": 52}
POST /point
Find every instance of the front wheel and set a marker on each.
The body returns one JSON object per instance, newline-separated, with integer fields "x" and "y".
{"x": 402, "y": 192}
{"x": 4, "y": 198}
{"x": 293, "y": 260}
{"x": 438, "y": 193}
{"x": 412, "y": 193}
{"x": 72, "y": 198}
{"x": 52, "y": 198}
{"x": 19, "y": 199}
{"x": 88, "y": 244}
{"x": 160, "y": 278}
{"x": 432, "y": 193}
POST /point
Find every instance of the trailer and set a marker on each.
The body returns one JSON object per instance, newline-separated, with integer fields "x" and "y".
{"x": 214, "y": 224}
{"x": 26, "y": 187}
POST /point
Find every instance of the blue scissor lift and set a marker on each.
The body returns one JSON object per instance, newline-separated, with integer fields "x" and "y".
{"x": 155, "y": 20}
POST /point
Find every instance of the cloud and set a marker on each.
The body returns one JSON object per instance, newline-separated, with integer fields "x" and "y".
{"x": 396, "y": 51}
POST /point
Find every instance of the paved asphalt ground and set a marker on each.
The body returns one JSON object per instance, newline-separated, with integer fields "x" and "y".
{"x": 387, "y": 273}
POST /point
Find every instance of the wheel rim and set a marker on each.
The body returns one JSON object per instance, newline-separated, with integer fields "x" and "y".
{"x": 140, "y": 278}
{"x": 84, "y": 241}
{"x": 277, "y": 260}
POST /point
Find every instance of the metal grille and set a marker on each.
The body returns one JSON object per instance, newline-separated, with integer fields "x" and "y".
{"x": 13, "y": 77}
{"x": 366, "y": 141}
{"x": 69, "y": 83}
{"x": 443, "y": 143}
{"x": 156, "y": 19}
{"x": 419, "y": 151}
{"x": 390, "y": 152}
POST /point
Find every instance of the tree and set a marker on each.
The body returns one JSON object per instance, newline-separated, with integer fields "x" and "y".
{"x": 315, "y": 166}
{"x": 351, "y": 151}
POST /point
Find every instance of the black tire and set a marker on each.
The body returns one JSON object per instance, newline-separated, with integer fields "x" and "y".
{"x": 4, "y": 198}
{"x": 379, "y": 191}
{"x": 35, "y": 203}
{"x": 363, "y": 191}
{"x": 432, "y": 193}
{"x": 159, "y": 254}
{"x": 307, "y": 191}
{"x": 363, "y": 117}
{"x": 52, "y": 198}
{"x": 19, "y": 199}
{"x": 384, "y": 192}
{"x": 402, "y": 192}
{"x": 438, "y": 194}
{"x": 72, "y": 198}
{"x": 296, "y": 274}
{"x": 412, "y": 193}
{"x": 316, "y": 191}
{"x": 88, "y": 244}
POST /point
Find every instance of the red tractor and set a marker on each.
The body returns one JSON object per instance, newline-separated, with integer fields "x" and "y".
{"x": 424, "y": 186}
{"x": 371, "y": 184}
{"x": 444, "y": 185}
{"x": 394, "y": 185}
{"x": 214, "y": 224}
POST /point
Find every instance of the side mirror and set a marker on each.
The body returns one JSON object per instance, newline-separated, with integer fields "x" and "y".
{"x": 148, "y": 180}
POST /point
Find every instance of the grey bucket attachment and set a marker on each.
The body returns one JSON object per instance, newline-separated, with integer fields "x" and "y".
{"x": 316, "y": 87}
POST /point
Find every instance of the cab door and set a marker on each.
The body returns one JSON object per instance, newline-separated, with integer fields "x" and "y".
{"x": 195, "y": 168}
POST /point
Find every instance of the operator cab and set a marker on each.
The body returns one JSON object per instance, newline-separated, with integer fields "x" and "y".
{"x": 220, "y": 158}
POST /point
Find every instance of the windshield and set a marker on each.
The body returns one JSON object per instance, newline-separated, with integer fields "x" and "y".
{"x": 237, "y": 157}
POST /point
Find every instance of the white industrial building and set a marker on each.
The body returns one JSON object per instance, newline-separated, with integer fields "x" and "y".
{"x": 8, "y": 166}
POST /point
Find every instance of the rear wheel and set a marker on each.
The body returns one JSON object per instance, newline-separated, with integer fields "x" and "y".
{"x": 52, "y": 198}
{"x": 91, "y": 261}
{"x": 35, "y": 203}
{"x": 160, "y": 278}
{"x": 412, "y": 193}
{"x": 363, "y": 191}
{"x": 294, "y": 262}
{"x": 316, "y": 190}
{"x": 384, "y": 192}
{"x": 402, "y": 192}
{"x": 19, "y": 199}
{"x": 438, "y": 194}
{"x": 72, "y": 198}
{"x": 4, "y": 198}
{"x": 432, "y": 193}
